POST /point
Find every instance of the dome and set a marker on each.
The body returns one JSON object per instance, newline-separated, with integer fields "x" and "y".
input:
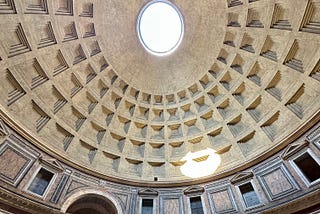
{"x": 79, "y": 82}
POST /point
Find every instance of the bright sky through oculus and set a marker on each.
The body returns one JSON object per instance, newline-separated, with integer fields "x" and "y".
{"x": 160, "y": 27}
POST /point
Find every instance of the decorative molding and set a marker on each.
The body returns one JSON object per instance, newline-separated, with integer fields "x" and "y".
{"x": 60, "y": 102}
{"x": 23, "y": 46}
{"x": 43, "y": 118}
{"x": 61, "y": 186}
{"x": 148, "y": 192}
{"x": 63, "y": 65}
{"x": 28, "y": 158}
{"x": 309, "y": 22}
{"x": 7, "y": 7}
{"x": 65, "y": 7}
{"x": 293, "y": 149}
{"x": 298, "y": 203}
{"x": 272, "y": 167}
{"x": 41, "y": 77}
{"x": 70, "y": 32}
{"x": 314, "y": 137}
{"x": 24, "y": 204}
{"x": 52, "y": 163}
{"x": 79, "y": 55}
{"x": 50, "y": 39}
{"x": 95, "y": 49}
{"x": 87, "y": 10}
{"x": 74, "y": 185}
{"x": 17, "y": 92}
{"x": 194, "y": 190}
{"x": 219, "y": 189}
{"x": 178, "y": 197}
{"x": 133, "y": 201}
{"x": 3, "y": 129}
{"x": 89, "y": 31}
{"x": 87, "y": 178}
{"x": 40, "y": 8}
{"x": 241, "y": 177}
{"x": 122, "y": 198}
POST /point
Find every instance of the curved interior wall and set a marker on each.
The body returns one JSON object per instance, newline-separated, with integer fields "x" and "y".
{"x": 278, "y": 184}
{"x": 76, "y": 79}
{"x": 76, "y": 84}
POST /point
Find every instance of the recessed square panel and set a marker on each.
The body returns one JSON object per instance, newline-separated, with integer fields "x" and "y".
{"x": 14, "y": 163}
{"x": 276, "y": 180}
{"x": 221, "y": 199}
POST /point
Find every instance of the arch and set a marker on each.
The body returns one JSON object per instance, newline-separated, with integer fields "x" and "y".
{"x": 78, "y": 195}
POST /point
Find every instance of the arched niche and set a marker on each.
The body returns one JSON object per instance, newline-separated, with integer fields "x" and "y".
{"x": 91, "y": 202}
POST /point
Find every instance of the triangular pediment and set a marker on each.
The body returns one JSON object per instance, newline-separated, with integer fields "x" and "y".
{"x": 148, "y": 192}
{"x": 240, "y": 177}
{"x": 293, "y": 149}
{"x": 194, "y": 190}
{"x": 52, "y": 163}
{"x": 3, "y": 129}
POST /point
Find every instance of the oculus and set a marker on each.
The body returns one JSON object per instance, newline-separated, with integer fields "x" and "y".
{"x": 160, "y": 27}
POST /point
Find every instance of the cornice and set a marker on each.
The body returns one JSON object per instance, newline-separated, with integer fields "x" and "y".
{"x": 301, "y": 203}
{"x": 24, "y": 204}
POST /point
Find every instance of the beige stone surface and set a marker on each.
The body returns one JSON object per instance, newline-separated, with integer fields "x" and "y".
{"x": 11, "y": 164}
{"x": 277, "y": 182}
{"x": 222, "y": 201}
{"x": 171, "y": 206}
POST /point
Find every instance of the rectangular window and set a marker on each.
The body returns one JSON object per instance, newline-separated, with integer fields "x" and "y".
{"x": 41, "y": 182}
{"x": 147, "y": 206}
{"x": 309, "y": 167}
{"x": 249, "y": 196}
{"x": 196, "y": 205}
